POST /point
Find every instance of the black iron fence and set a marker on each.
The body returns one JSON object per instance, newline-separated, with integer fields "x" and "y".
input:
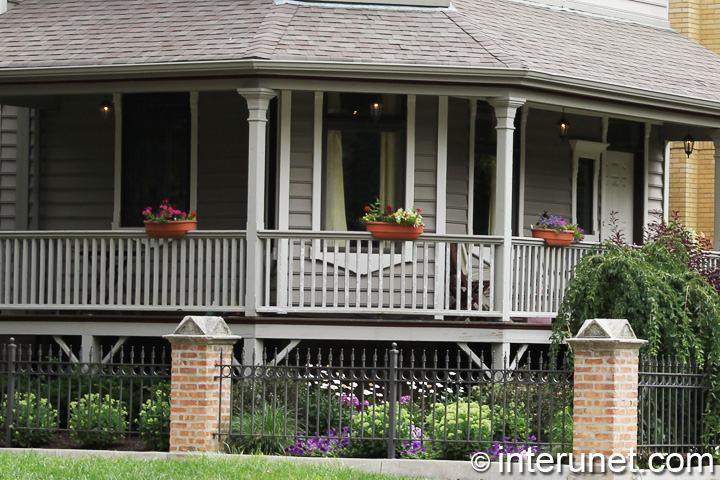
{"x": 48, "y": 391}
{"x": 672, "y": 398}
{"x": 407, "y": 404}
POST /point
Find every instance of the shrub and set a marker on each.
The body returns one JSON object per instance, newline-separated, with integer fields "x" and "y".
{"x": 154, "y": 419}
{"x": 267, "y": 429}
{"x": 373, "y": 422}
{"x": 29, "y": 414}
{"x": 97, "y": 422}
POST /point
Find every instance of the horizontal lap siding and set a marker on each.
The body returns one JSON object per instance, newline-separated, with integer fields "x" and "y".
{"x": 426, "y": 144}
{"x": 301, "y": 160}
{"x": 222, "y": 161}
{"x": 548, "y": 163}
{"x": 8, "y": 151}
{"x": 656, "y": 172}
{"x": 458, "y": 177}
{"x": 76, "y": 166}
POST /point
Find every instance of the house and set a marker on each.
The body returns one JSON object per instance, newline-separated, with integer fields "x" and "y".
{"x": 277, "y": 121}
{"x": 692, "y": 177}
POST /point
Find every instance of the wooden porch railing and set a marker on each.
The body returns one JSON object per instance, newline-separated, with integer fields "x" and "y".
{"x": 540, "y": 275}
{"x": 351, "y": 272}
{"x": 446, "y": 276}
{"x": 63, "y": 270}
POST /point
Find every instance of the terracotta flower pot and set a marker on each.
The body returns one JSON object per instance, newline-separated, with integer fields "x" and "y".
{"x": 174, "y": 229}
{"x": 553, "y": 238}
{"x": 394, "y": 231}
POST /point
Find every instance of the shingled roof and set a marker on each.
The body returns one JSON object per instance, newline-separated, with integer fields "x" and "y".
{"x": 495, "y": 34}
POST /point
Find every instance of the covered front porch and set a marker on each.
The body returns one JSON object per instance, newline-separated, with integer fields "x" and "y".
{"x": 256, "y": 163}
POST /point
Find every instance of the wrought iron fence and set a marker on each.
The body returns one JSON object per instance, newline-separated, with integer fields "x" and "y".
{"x": 408, "y": 404}
{"x": 49, "y": 391}
{"x": 671, "y": 406}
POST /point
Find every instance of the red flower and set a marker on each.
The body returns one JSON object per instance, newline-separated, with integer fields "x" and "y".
{"x": 193, "y": 214}
{"x": 367, "y": 209}
{"x": 389, "y": 208}
{"x": 419, "y": 210}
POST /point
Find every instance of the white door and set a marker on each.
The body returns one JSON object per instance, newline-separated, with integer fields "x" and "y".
{"x": 616, "y": 190}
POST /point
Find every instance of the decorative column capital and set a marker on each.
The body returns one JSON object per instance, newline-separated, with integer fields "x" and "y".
{"x": 258, "y": 100}
{"x": 505, "y": 110}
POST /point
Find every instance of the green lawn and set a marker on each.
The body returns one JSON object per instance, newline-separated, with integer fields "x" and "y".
{"x": 45, "y": 467}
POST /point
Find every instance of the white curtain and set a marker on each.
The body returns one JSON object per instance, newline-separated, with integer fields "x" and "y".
{"x": 388, "y": 168}
{"x": 334, "y": 184}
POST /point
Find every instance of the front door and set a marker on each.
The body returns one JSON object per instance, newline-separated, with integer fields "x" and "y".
{"x": 616, "y": 190}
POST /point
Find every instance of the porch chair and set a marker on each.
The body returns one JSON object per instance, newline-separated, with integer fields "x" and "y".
{"x": 474, "y": 287}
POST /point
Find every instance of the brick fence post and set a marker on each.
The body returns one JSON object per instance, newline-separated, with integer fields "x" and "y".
{"x": 197, "y": 346}
{"x": 605, "y": 416}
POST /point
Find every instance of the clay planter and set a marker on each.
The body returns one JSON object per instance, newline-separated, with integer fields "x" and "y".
{"x": 394, "y": 231}
{"x": 174, "y": 229}
{"x": 553, "y": 238}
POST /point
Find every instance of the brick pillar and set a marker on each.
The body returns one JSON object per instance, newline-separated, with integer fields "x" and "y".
{"x": 197, "y": 345}
{"x": 606, "y": 388}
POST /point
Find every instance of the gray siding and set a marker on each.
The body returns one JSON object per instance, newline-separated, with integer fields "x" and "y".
{"x": 426, "y": 144}
{"x": 77, "y": 166}
{"x": 548, "y": 163}
{"x": 457, "y": 171}
{"x": 656, "y": 172}
{"x": 222, "y": 161}
{"x": 17, "y": 167}
{"x": 8, "y": 152}
{"x": 301, "y": 160}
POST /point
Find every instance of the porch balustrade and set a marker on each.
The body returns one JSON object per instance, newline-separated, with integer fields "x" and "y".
{"x": 445, "y": 276}
{"x": 62, "y": 270}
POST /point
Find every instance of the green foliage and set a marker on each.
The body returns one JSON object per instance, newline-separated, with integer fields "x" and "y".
{"x": 97, "y": 422}
{"x": 268, "y": 429}
{"x": 154, "y": 419}
{"x": 672, "y": 306}
{"x": 669, "y": 305}
{"x": 373, "y": 422}
{"x": 471, "y": 427}
{"x": 30, "y": 413}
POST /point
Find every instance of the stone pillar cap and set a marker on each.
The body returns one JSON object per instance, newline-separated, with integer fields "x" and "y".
{"x": 607, "y": 330}
{"x": 202, "y": 330}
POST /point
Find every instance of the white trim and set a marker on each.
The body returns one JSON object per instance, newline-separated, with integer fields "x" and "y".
{"x": 666, "y": 186}
{"x": 3, "y": 6}
{"x": 646, "y": 175}
{"x": 284, "y": 160}
{"x": 593, "y": 151}
{"x": 431, "y": 5}
{"x": 447, "y": 75}
{"x": 471, "y": 166}
{"x": 410, "y": 151}
{"x": 442, "y": 146}
{"x": 525, "y": 112}
{"x": 194, "y": 113}
{"x": 117, "y": 196}
{"x": 317, "y": 163}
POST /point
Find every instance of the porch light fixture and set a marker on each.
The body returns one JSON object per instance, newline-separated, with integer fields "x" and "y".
{"x": 689, "y": 144}
{"x": 562, "y": 127}
{"x": 106, "y": 109}
{"x": 375, "y": 110}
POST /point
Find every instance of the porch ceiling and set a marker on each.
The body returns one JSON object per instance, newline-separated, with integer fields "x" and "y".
{"x": 52, "y": 39}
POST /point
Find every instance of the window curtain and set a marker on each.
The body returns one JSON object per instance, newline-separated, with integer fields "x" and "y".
{"x": 334, "y": 184}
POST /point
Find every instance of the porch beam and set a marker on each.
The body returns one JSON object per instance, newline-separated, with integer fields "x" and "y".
{"x": 22, "y": 174}
{"x": 505, "y": 110}
{"x": 258, "y": 101}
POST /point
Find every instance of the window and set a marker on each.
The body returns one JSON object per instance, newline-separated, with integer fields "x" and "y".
{"x": 364, "y": 156}
{"x": 586, "y": 172}
{"x": 586, "y": 194}
{"x": 155, "y": 153}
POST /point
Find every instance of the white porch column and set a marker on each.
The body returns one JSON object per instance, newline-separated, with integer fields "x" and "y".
{"x": 258, "y": 100}
{"x": 505, "y": 109}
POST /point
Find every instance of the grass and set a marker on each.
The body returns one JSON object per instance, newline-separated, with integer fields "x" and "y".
{"x": 46, "y": 467}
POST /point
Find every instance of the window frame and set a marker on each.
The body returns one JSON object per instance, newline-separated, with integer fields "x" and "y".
{"x": 592, "y": 151}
